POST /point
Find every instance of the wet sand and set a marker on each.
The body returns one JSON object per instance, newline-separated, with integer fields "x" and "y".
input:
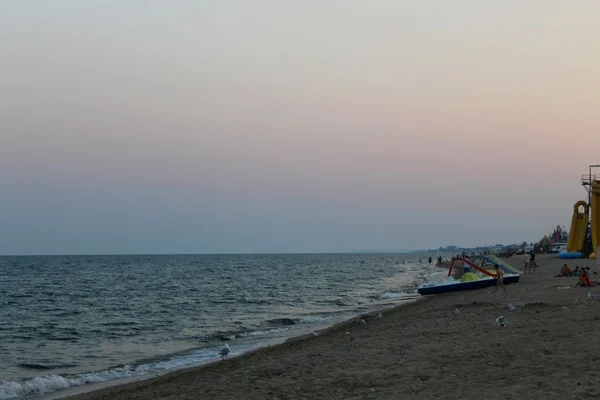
{"x": 421, "y": 351}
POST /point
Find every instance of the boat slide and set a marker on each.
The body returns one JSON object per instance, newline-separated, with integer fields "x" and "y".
{"x": 505, "y": 267}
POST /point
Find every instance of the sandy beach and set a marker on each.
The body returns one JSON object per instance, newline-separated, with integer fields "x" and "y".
{"x": 421, "y": 351}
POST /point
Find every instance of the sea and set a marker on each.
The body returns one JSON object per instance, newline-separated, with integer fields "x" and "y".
{"x": 77, "y": 321}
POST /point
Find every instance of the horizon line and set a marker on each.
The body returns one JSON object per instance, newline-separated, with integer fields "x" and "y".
{"x": 366, "y": 252}
{"x": 208, "y": 254}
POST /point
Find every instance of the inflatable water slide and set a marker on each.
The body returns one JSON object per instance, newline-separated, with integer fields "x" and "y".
{"x": 579, "y": 223}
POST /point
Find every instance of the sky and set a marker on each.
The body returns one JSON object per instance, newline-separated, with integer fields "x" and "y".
{"x": 230, "y": 126}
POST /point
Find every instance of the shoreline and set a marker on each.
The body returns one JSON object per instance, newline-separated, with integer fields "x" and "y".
{"x": 379, "y": 284}
{"x": 420, "y": 349}
{"x": 104, "y": 388}
{"x": 82, "y": 391}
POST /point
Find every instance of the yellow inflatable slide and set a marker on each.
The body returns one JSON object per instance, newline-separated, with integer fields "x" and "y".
{"x": 578, "y": 230}
{"x": 595, "y": 194}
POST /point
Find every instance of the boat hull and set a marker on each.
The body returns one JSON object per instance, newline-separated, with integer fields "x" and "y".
{"x": 455, "y": 286}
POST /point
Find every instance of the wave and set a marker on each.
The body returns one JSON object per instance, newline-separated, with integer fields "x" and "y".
{"x": 50, "y": 383}
{"x": 263, "y": 333}
{"x": 283, "y": 321}
{"x": 307, "y": 319}
{"x": 245, "y": 333}
{"x": 53, "y": 382}
{"x": 314, "y": 318}
{"x": 392, "y": 295}
{"x": 35, "y": 366}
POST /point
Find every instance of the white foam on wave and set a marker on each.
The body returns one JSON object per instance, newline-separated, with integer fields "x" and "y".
{"x": 262, "y": 333}
{"x": 392, "y": 295}
{"x": 51, "y": 383}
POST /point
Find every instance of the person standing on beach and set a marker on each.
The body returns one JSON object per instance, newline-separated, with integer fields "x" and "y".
{"x": 525, "y": 263}
{"x": 532, "y": 263}
{"x": 499, "y": 279}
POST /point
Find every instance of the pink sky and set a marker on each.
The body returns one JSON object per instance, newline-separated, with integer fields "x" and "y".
{"x": 120, "y": 119}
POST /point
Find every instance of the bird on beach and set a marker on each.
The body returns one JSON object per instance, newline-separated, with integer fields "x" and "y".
{"x": 362, "y": 322}
{"x": 593, "y": 296}
{"x": 224, "y": 352}
{"x": 378, "y": 316}
{"x": 513, "y": 308}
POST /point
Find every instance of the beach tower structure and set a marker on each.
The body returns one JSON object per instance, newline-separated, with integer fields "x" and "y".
{"x": 591, "y": 183}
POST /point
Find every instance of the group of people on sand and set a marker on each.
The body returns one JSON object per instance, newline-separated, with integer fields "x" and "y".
{"x": 583, "y": 274}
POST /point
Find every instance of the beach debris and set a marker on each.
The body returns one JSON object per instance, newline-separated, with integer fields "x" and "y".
{"x": 593, "y": 296}
{"x": 224, "y": 352}
{"x": 315, "y": 334}
{"x": 362, "y": 321}
{"x": 378, "y": 316}
{"x": 348, "y": 333}
{"x": 513, "y": 308}
{"x": 501, "y": 321}
{"x": 456, "y": 311}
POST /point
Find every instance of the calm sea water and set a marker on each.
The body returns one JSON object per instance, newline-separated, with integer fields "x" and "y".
{"x": 77, "y": 320}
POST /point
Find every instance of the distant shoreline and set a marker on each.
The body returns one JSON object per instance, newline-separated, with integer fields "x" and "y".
{"x": 217, "y": 254}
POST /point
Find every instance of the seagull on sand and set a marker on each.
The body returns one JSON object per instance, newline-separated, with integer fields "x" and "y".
{"x": 513, "y": 308}
{"x": 378, "y": 316}
{"x": 224, "y": 351}
{"x": 362, "y": 321}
